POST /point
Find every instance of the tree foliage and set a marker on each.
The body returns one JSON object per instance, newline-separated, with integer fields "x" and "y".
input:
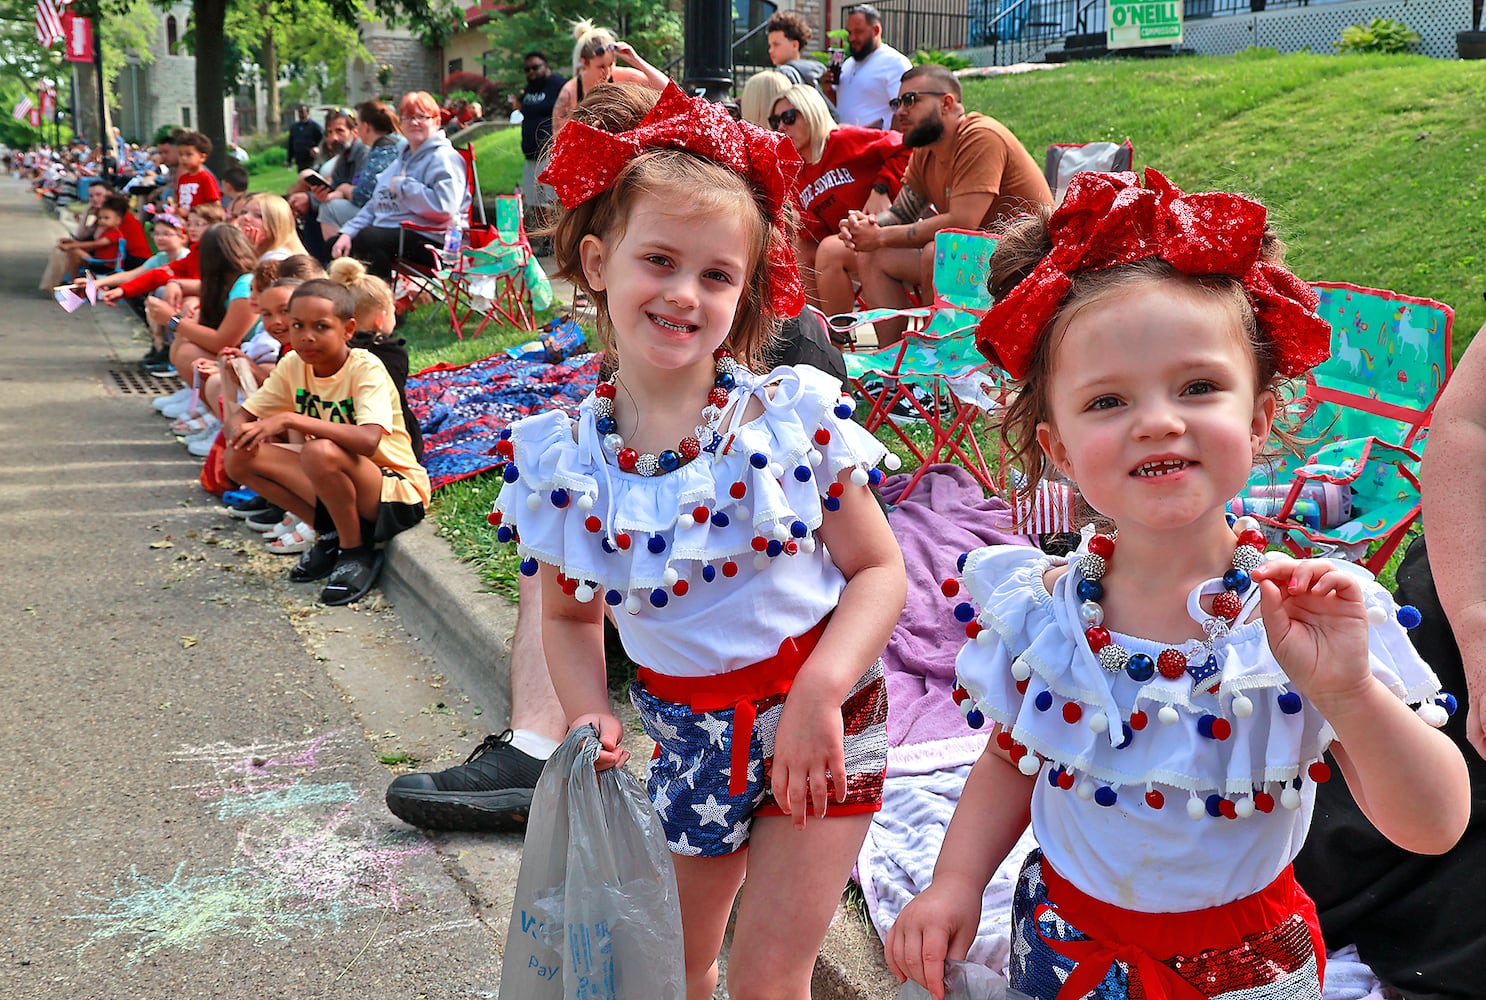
{"x": 653, "y": 27}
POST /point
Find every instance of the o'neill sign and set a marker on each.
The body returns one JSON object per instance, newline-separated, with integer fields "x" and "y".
{"x": 1137, "y": 22}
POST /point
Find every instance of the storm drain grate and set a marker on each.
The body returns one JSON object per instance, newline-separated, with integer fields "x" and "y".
{"x": 139, "y": 383}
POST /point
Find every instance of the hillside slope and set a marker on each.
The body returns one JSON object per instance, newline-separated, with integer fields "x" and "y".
{"x": 1371, "y": 165}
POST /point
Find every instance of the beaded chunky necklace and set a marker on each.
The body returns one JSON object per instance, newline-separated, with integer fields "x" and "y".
{"x": 1201, "y": 664}
{"x": 647, "y": 464}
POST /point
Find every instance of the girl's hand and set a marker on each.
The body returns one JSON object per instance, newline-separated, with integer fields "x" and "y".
{"x": 173, "y": 295}
{"x": 112, "y": 295}
{"x": 940, "y": 923}
{"x": 251, "y": 228}
{"x": 1316, "y": 623}
{"x": 228, "y": 353}
{"x": 611, "y": 736}
{"x": 206, "y": 367}
{"x": 807, "y": 749}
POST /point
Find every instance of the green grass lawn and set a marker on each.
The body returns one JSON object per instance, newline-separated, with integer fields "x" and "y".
{"x": 1371, "y": 167}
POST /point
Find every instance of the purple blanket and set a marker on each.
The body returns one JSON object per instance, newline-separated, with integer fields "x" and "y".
{"x": 462, "y": 410}
{"x": 946, "y": 514}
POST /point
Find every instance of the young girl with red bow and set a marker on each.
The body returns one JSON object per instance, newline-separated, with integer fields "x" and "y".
{"x": 722, "y": 520}
{"x": 1163, "y": 697}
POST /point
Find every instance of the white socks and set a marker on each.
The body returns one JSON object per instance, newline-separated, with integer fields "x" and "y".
{"x": 532, "y": 744}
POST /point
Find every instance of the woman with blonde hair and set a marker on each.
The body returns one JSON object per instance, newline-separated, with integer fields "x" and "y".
{"x": 594, "y": 52}
{"x": 268, "y": 221}
{"x": 847, "y": 168}
{"x": 759, "y": 94}
{"x": 426, "y": 184}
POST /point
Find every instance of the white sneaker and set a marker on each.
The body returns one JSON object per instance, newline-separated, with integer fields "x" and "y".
{"x": 208, "y": 431}
{"x": 184, "y": 408}
{"x": 200, "y": 447}
{"x": 288, "y": 525}
{"x": 162, "y": 403}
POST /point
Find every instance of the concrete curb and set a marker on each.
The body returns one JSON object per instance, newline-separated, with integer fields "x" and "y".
{"x": 466, "y": 629}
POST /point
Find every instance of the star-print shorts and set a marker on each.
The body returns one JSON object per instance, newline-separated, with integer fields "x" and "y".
{"x": 690, "y": 774}
{"x": 1261, "y": 947}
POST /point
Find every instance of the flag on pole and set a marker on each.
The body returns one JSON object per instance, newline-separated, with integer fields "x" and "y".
{"x": 49, "y": 22}
{"x": 47, "y": 101}
{"x": 22, "y": 108}
{"x": 78, "y": 37}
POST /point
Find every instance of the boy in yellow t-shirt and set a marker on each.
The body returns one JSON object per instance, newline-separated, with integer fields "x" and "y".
{"x": 356, "y": 474}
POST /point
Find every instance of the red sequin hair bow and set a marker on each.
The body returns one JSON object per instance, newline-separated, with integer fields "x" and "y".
{"x": 586, "y": 161}
{"x": 1107, "y": 220}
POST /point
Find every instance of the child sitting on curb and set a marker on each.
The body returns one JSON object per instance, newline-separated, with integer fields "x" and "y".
{"x": 355, "y": 475}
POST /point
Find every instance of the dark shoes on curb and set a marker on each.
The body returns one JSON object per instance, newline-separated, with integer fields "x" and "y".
{"x": 489, "y": 793}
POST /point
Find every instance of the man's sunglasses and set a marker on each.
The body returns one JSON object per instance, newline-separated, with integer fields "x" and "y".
{"x": 788, "y": 117}
{"x": 907, "y": 100}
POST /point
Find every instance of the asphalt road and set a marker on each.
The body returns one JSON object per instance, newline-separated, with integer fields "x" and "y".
{"x": 192, "y": 785}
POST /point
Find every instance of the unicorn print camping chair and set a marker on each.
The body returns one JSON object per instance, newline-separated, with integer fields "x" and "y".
{"x": 1364, "y": 420}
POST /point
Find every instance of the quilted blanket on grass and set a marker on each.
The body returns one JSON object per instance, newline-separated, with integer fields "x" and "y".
{"x": 462, "y": 409}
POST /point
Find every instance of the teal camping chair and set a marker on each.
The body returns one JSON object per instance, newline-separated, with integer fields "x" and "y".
{"x": 1364, "y": 419}
{"x": 934, "y": 375}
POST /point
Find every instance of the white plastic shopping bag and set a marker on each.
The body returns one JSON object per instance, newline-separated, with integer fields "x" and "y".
{"x": 596, "y": 915}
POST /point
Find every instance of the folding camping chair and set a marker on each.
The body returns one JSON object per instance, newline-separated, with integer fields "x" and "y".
{"x": 502, "y": 279}
{"x": 1365, "y": 417}
{"x": 935, "y": 375}
{"x": 418, "y": 279}
{"x": 1064, "y": 159}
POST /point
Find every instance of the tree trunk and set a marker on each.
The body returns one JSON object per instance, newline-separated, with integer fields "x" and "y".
{"x": 211, "y": 61}
{"x": 271, "y": 78}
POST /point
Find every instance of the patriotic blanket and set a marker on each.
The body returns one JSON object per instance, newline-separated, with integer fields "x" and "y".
{"x": 462, "y": 409}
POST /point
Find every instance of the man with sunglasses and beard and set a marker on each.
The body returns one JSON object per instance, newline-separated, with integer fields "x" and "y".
{"x": 869, "y": 79}
{"x": 970, "y": 166}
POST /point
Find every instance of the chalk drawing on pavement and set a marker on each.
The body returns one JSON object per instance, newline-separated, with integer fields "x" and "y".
{"x": 310, "y": 854}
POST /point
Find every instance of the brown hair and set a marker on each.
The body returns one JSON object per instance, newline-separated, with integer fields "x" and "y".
{"x": 1025, "y": 242}
{"x": 795, "y": 27}
{"x": 210, "y": 212}
{"x": 226, "y": 255}
{"x": 368, "y": 290}
{"x": 196, "y": 141}
{"x": 379, "y": 116}
{"x": 298, "y": 267}
{"x": 705, "y": 189}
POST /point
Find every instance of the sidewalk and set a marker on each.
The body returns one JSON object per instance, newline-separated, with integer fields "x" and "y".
{"x": 466, "y": 630}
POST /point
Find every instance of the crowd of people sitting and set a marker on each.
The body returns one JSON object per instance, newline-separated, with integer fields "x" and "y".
{"x": 276, "y": 312}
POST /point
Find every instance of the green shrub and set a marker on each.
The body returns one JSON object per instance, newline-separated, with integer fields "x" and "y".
{"x": 946, "y": 59}
{"x": 1381, "y": 34}
{"x": 273, "y": 156}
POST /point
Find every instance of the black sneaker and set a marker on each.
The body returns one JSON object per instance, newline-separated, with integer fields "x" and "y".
{"x": 351, "y": 579}
{"x": 154, "y": 358}
{"x": 489, "y": 793}
{"x": 247, "y": 508}
{"x": 265, "y": 517}
{"x": 316, "y": 562}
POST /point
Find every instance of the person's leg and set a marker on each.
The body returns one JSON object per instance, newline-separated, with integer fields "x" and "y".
{"x": 275, "y": 472}
{"x": 347, "y": 485}
{"x": 775, "y": 947}
{"x": 706, "y": 888}
{"x": 834, "y": 267}
{"x": 491, "y": 791}
{"x": 184, "y": 355}
{"x": 884, "y": 273}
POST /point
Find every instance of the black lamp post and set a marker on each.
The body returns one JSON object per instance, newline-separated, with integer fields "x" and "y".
{"x": 709, "y": 48}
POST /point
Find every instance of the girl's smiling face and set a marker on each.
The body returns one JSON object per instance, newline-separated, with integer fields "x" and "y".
{"x": 273, "y": 309}
{"x": 168, "y": 239}
{"x": 672, "y": 280}
{"x": 1153, "y": 404}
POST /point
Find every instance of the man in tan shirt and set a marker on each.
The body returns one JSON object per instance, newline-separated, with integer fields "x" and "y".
{"x": 972, "y": 168}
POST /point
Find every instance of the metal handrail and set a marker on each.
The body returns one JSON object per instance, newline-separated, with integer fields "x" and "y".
{"x": 1009, "y": 10}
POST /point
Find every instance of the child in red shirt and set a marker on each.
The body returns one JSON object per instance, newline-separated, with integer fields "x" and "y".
{"x": 194, "y": 185}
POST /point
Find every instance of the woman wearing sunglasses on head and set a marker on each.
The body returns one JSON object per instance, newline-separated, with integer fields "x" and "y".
{"x": 847, "y": 168}
{"x": 594, "y": 52}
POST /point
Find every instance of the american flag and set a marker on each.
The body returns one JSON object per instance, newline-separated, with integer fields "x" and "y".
{"x": 23, "y": 108}
{"x": 49, "y": 22}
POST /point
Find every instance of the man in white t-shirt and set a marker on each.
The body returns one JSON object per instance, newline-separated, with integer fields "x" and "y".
{"x": 869, "y": 79}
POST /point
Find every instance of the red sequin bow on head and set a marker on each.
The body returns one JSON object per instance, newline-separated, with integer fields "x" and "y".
{"x": 1109, "y": 219}
{"x": 586, "y": 161}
